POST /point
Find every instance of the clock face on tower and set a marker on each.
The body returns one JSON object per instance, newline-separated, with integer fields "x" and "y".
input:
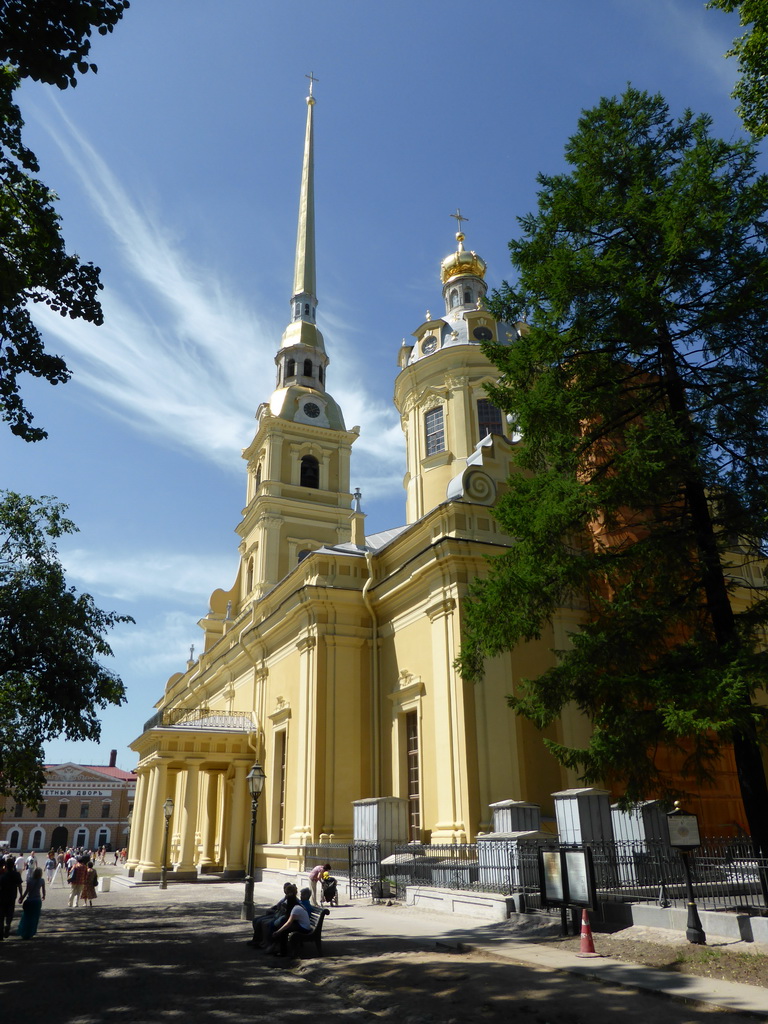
{"x": 429, "y": 345}
{"x": 311, "y": 410}
{"x": 482, "y": 334}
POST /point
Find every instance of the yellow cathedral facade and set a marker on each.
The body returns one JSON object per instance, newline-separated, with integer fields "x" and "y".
{"x": 330, "y": 660}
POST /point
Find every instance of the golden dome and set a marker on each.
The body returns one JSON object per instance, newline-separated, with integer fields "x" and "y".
{"x": 462, "y": 262}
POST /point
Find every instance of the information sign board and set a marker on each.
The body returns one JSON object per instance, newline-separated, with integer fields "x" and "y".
{"x": 683, "y": 831}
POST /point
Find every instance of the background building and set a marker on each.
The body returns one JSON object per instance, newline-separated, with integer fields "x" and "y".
{"x": 82, "y": 805}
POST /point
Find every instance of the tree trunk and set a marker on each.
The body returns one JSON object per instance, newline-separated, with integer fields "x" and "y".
{"x": 749, "y": 762}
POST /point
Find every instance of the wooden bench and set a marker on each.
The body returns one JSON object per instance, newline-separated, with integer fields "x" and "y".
{"x": 297, "y": 939}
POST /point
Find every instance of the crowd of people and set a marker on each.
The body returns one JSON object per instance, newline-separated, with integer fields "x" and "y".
{"x": 23, "y": 880}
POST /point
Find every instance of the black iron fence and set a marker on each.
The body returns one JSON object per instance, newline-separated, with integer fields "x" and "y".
{"x": 335, "y": 854}
{"x": 726, "y": 874}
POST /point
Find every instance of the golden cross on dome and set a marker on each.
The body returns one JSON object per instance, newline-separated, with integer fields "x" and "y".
{"x": 312, "y": 80}
{"x": 459, "y": 218}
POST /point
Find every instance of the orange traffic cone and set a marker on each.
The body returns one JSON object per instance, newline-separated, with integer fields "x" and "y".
{"x": 587, "y": 945}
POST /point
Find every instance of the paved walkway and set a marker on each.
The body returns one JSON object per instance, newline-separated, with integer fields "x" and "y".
{"x": 89, "y": 965}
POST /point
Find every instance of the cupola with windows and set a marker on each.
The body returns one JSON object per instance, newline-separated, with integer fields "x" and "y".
{"x": 441, "y": 390}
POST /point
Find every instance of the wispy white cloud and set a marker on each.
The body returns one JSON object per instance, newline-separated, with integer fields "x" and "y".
{"x": 702, "y": 41}
{"x": 155, "y": 650}
{"x": 151, "y": 575}
{"x": 187, "y": 364}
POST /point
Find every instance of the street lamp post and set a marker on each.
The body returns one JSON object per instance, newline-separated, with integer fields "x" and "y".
{"x": 256, "y": 779}
{"x": 167, "y": 811}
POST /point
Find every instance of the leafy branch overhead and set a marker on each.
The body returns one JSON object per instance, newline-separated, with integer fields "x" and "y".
{"x": 751, "y": 50}
{"x": 49, "y": 43}
{"x": 638, "y": 502}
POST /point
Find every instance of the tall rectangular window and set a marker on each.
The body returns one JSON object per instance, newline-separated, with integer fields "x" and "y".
{"x": 281, "y": 750}
{"x": 63, "y": 810}
{"x": 434, "y": 430}
{"x": 489, "y": 418}
{"x": 84, "y": 810}
{"x": 18, "y": 810}
{"x": 41, "y": 810}
{"x": 414, "y": 775}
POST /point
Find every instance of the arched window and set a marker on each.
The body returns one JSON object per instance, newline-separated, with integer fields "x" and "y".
{"x": 454, "y": 298}
{"x": 102, "y": 838}
{"x": 467, "y": 296}
{"x": 249, "y": 577}
{"x": 303, "y": 553}
{"x": 306, "y": 309}
{"x": 290, "y": 368}
{"x": 307, "y": 367}
{"x": 279, "y": 373}
{"x": 321, "y": 374}
{"x": 258, "y": 476}
{"x": 81, "y": 837}
{"x": 14, "y": 839}
{"x": 36, "y": 842}
{"x": 297, "y": 309}
{"x": 310, "y": 471}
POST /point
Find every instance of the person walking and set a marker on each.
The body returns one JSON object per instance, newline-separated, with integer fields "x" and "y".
{"x": 77, "y": 879}
{"x": 31, "y": 867}
{"x": 50, "y": 868}
{"x": 10, "y": 888}
{"x": 32, "y": 904}
{"x": 89, "y": 888}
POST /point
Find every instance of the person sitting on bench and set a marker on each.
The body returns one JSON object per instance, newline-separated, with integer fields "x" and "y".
{"x": 264, "y": 926}
{"x": 298, "y": 921}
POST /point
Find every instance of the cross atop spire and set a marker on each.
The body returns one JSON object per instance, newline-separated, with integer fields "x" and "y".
{"x": 312, "y": 80}
{"x": 459, "y": 217}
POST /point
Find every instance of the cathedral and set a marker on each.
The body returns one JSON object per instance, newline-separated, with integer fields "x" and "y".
{"x": 330, "y": 660}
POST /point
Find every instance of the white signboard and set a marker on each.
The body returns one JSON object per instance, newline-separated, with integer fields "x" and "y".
{"x": 71, "y": 791}
{"x": 553, "y": 875}
{"x": 578, "y": 876}
{"x": 683, "y": 830}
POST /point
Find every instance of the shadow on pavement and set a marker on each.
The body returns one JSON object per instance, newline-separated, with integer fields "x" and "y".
{"x": 191, "y": 963}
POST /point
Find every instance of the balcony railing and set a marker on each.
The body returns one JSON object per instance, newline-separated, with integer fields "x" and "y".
{"x": 199, "y": 718}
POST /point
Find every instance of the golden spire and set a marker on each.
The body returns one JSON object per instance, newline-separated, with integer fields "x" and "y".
{"x": 304, "y": 283}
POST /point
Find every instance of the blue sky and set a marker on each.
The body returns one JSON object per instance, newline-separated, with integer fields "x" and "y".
{"x": 178, "y": 169}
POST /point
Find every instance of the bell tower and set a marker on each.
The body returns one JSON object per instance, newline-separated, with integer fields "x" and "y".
{"x": 298, "y": 497}
{"x": 444, "y": 410}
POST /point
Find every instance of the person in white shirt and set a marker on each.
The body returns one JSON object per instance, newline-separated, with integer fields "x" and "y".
{"x": 298, "y": 921}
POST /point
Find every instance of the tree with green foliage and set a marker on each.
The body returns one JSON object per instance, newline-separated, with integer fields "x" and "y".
{"x": 46, "y": 41}
{"x": 641, "y": 482}
{"x": 51, "y": 637}
{"x": 751, "y": 49}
